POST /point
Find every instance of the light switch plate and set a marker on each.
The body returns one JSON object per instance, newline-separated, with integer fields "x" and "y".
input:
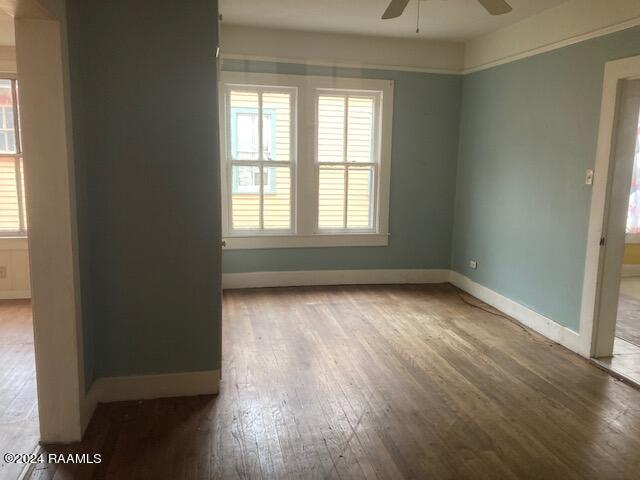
{"x": 588, "y": 180}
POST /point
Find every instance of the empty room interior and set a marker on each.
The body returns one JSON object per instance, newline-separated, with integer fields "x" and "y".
{"x": 260, "y": 239}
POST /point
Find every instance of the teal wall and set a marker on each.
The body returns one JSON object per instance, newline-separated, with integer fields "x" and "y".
{"x": 528, "y": 134}
{"x": 423, "y": 169}
{"x": 143, "y": 91}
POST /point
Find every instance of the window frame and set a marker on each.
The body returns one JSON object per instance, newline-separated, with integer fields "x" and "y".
{"x": 228, "y": 162}
{"x": 304, "y": 230}
{"x": 18, "y": 157}
{"x": 374, "y": 164}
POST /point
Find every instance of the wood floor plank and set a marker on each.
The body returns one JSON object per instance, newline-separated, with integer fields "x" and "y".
{"x": 18, "y": 400}
{"x": 376, "y": 382}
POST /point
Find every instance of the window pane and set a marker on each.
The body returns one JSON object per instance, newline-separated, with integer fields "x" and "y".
{"x": 7, "y": 132}
{"x": 245, "y": 198}
{"x": 331, "y": 118}
{"x": 245, "y": 179}
{"x": 9, "y": 209}
{"x": 360, "y": 129}
{"x": 276, "y": 126}
{"x": 359, "y": 205}
{"x": 244, "y": 125}
{"x": 331, "y": 197}
{"x": 277, "y": 198}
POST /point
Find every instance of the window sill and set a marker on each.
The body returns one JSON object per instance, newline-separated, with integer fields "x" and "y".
{"x": 8, "y": 242}
{"x": 307, "y": 241}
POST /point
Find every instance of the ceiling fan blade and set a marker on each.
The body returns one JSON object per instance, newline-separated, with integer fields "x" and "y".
{"x": 496, "y": 7}
{"x": 395, "y": 9}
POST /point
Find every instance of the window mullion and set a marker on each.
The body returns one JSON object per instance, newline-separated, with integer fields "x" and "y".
{"x": 307, "y": 194}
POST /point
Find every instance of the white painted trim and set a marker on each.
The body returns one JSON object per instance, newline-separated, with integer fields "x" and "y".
{"x": 14, "y": 294}
{"x": 634, "y": 22}
{"x": 614, "y": 72}
{"x": 630, "y": 270}
{"x": 14, "y": 243}
{"x": 332, "y": 277}
{"x": 307, "y": 241}
{"x": 524, "y": 315}
{"x": 338, "y": 64}
{"x": 146, "y": 387}
{"x": 41, "y": 49}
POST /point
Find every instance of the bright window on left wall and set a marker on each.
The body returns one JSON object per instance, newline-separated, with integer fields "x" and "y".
{"x": 13, "y": 216}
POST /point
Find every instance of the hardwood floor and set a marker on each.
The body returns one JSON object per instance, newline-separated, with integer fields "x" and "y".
{"x": 625, "y": 360}
{"x": 18, "y": 402}
{"x": 389, "y": 382}
{"x": 628, "y": 318}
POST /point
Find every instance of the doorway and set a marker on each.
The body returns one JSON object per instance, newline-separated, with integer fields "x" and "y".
{"x": 624, "y": 359}
{"x": 611, "y": 294}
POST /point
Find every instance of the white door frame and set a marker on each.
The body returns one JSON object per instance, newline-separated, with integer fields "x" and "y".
{"x": 597, "y": 331}
{"x": 41, "y": 51}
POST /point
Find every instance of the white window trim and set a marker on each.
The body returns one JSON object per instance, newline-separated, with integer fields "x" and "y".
{"x": 18, "y": 158}
{"x": 304, "y": 229}
{"x": 226, "y": 171}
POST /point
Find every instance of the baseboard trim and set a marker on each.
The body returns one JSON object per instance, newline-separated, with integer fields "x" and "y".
{"x": 332, "y": 277}
{"x": 14, "y": 294}
{"x": 629, "y": 270}
{"x": 524, "y": 315}
{"x": 147, "y": 387}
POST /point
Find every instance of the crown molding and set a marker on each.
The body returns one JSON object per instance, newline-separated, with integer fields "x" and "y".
{"x": 337, "y": 64}
{"x": 341, "y": 50}
{"x": 634, "y": 22}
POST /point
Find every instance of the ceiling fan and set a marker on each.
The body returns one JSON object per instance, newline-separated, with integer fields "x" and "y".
{"x": 494, "y": 7}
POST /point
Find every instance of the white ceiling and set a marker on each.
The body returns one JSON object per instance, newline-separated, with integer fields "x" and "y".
{"x": 439, "y": 19}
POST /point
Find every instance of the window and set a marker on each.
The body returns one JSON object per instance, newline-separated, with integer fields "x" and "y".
{"x": 327, "y": 186}
{"x": 346, "y": 160}
{"x": 260, "y": 158}
{"x": 633, "y": 214}
{"x": 13, "y": 218}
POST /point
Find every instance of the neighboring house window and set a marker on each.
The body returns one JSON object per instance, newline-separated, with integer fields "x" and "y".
{"x": 633, "y": 214}
{"x": 244, "y": 146}
{"x": 13, "y": 218}
{"x": 329, "y": 185}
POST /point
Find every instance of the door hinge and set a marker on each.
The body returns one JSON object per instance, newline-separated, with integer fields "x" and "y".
{"x": 603, "y": 240}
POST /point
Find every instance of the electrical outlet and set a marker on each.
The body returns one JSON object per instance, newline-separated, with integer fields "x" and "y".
{"x": 3, "y": 272}
{"x": 473, "y": 264}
